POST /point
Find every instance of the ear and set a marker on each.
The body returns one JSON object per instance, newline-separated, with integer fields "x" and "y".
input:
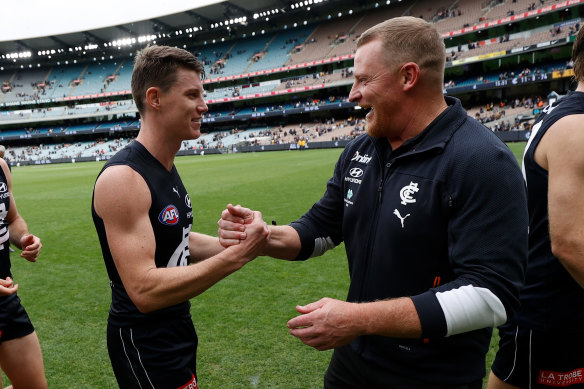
{"x": 410, "y": 73}
{"x": 153, "y": 97}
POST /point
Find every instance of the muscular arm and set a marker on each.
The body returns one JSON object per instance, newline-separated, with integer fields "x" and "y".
{"x": 124, "y": 212}
{"x": 560, "y": 153}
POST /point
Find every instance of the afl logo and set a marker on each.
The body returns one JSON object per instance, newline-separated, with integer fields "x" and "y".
{"x": 169, "y": 215}
{"x": 356, "y": 172}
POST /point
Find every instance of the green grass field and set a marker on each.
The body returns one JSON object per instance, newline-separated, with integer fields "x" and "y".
{"x": 241, "y": 321}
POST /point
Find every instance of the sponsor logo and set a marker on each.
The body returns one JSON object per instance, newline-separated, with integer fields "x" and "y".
{"x": 188, "y": 201}
{"x": 401, "y": 219}
{"x": 356, "y": 172}
{"x": 349, "y": 195}
{"x": 406, "y": 193}
{"x": 361, "y": 158}
{"x": 3, "y": 187}
{"x": 558, "y": 379}
{"x": 353, "y": 180}
{"x": 169, "y": 215}
{"x": 175, "y": 190}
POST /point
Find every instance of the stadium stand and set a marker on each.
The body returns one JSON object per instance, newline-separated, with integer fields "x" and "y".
{"x": 91, "y": 97}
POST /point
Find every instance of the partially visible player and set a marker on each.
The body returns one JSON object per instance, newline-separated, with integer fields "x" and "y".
{"x": 143, "y": 216}
{"x": 2, "y": 151}
{"x": 20, "y": 352}
{"x": 543, "y": 346}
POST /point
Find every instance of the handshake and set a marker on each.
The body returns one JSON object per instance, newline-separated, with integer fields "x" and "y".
{"x": 245, "y": 229}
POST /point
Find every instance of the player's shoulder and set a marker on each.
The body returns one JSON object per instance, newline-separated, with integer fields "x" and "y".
{"x": 119, "y": 177}
{"x": 566, "y": 134}
{"x": 119, "y": 187}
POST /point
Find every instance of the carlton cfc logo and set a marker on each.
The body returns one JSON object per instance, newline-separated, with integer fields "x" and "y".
{"x": 169, "y": 215}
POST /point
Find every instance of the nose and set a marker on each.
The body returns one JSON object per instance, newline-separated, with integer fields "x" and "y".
{"x": 354, "y": 94}
{"x": 203, "y": 108}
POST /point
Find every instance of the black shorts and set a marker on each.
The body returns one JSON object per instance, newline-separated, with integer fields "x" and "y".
{"x": 532, "y": 359}
{"x": 14, "y": 321}
{"x": 158, "y": 355}
{"x": 348, "y": 370}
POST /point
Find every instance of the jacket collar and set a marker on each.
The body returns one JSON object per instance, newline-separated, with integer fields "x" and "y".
{"x": 438, "y": 133}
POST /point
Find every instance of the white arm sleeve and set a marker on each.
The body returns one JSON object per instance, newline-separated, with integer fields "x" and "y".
{"x": 321, "y": 245}
{"x": 470, "y": 308}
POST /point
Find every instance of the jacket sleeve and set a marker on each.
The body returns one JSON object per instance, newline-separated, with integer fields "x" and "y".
{"x": 320, "y": 229}
{"x": 487, "y": 240}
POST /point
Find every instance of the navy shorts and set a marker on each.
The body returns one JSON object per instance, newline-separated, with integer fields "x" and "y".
{"x": 14, "y": 321}
{"x": 348, "y": 370}
{"x": 158, "y": 355}
{"x": 532, "y": 359}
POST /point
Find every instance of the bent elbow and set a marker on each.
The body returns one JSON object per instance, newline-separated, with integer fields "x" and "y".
{"x": 562, "y": 249}
{"x": 142, "y": 304}
{"x": 142, "y": 300}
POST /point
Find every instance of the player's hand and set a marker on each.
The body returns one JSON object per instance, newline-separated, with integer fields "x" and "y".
{"x": 31, "y": 247}
{"x": 257, "y": 236}
{"x": 232, "y": 224}
{"x": 7, "y": 287}
{"x": 326, "y": 323}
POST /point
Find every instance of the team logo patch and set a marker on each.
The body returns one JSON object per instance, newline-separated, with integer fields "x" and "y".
{"x": 406, "y": 193}
{"x": 169, "y": 215}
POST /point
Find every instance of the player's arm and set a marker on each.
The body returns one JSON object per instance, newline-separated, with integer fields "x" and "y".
{"x": 560, "y": 152}
{"x": 203, "y": 246}
{"x": 124, "y": 212}
{"x": 17, "y": 227}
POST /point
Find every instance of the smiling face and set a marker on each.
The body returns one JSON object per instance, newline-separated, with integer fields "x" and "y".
{"x": 376, "y": 87}
{"x": 182, "y": 106}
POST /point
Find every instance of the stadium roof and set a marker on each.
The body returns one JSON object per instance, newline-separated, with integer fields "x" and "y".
{"x": 199, "y": 19}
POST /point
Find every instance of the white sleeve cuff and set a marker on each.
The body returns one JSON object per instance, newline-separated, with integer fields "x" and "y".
{"x": 321, "y": 245}
{"x": 471, "y": 308}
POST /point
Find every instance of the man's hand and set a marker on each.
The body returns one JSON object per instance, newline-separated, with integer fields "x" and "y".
{"x": 257, "y": 236}
{"x": 7, "y": 287}
{"x": 327, "y": 323}
{"x": 31, "y": 247}
{"x": 232, "y": 225}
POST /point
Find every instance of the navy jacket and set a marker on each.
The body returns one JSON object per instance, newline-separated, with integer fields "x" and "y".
{"x": 441, "y": 218}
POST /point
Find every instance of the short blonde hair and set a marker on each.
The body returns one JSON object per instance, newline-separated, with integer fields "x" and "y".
{"x": 410, "y": 39}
